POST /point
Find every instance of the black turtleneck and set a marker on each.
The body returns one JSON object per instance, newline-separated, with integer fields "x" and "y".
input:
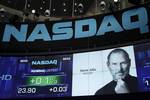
{"x": 109, "y": 88}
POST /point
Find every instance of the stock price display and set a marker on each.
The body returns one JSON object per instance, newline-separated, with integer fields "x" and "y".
{"x": 37, "y": 76}
{"x": 43, "y": 85}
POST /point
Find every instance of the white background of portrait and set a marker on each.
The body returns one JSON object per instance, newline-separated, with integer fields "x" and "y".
{"x": 87, "y": 82}
{"x": 85, "y": 61}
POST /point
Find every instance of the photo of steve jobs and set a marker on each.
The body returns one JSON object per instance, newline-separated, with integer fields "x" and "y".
{"x": 119, "y": 63}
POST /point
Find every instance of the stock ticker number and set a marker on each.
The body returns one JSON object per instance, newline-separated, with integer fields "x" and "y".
{"x": 26, "y": 90}
{"x": 58, "y": 89}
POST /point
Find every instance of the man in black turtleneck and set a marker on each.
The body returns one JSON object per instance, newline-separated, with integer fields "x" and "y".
{"x": 119, "y": 66}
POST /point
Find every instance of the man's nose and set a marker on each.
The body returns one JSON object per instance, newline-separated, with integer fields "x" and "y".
{"x": 119, "y": 66}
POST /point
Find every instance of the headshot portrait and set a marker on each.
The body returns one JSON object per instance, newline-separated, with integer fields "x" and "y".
{"x": 118, "y": 62}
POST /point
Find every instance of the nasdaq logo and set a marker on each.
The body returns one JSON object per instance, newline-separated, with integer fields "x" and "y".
{"x": 75, "y": 29}
{"x": 44, "y": 62}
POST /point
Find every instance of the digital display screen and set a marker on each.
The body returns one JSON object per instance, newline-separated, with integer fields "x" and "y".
{"x": 142, "y": 54}
{"x": 36, "y": 76}
{"x": 112, "y": 71}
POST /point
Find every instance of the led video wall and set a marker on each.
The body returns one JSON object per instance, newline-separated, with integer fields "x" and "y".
{"x": 112, "y": 71}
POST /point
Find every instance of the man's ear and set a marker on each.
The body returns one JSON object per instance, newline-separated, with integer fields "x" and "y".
{"x": 129, "y": 62}
{"x": 108, "y": 63}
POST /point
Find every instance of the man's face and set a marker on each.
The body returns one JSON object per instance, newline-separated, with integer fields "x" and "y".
{"x": 118, "y": 66}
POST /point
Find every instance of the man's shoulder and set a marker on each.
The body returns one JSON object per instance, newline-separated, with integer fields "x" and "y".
{"x": 107, "y": 89}
{"x": 132, "y": 78}
{"x": 132, "y": 82}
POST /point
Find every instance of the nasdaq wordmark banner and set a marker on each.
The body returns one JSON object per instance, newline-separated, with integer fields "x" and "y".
{"x": 125, "y": 26}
